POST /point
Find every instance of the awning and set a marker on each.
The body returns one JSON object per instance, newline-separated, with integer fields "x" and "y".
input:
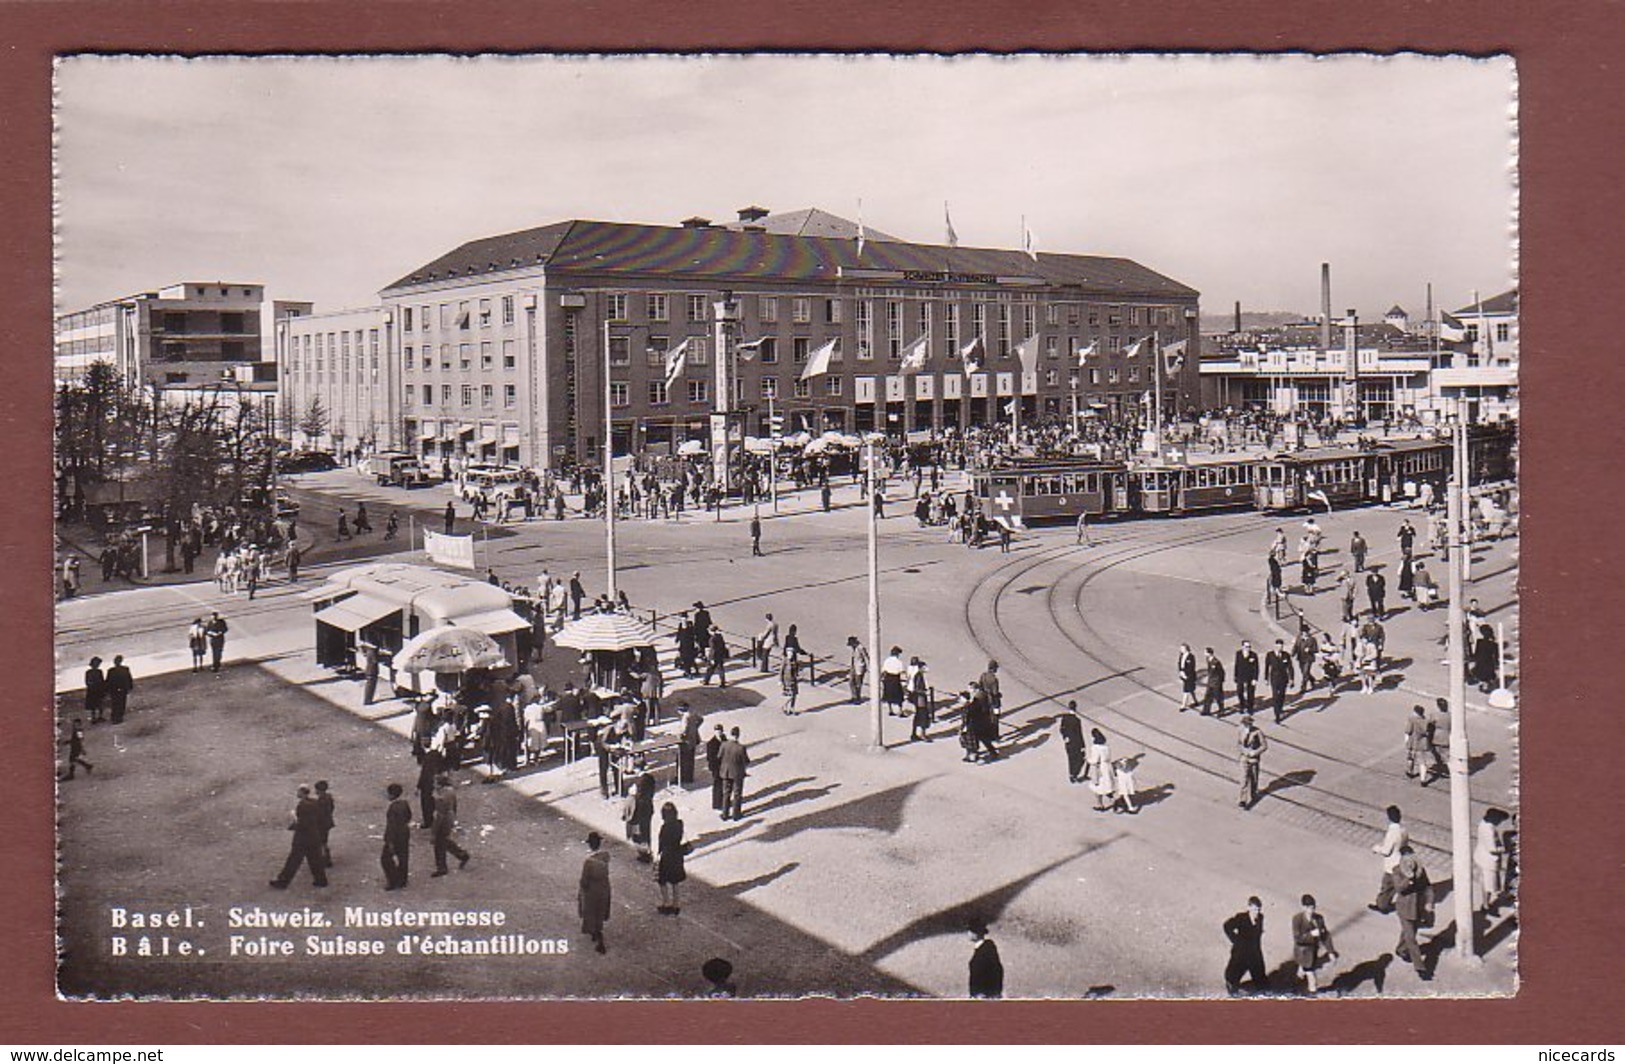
{"x": 354, "y": 614}
{"x": 492, "y": 622}
{"x": 488, "y": 434}
{"x": 465, "y": 430}
{"x": 428, "y": 435}
{"x": 325, "y": 592}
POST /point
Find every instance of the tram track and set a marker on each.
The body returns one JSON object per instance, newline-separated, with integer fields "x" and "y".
{"x": 1348, "y": 814}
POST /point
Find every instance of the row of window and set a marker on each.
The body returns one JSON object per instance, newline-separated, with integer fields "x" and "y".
{"x": 465, "y": 356}
{"x": 462, "y": 316}
{"x": 330, "y": 352}
{"x": 465, "y": 393}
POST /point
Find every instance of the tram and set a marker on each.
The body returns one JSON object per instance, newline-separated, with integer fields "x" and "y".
{"x": 1050, "y": 491}
{"x": 1191, "y": 489}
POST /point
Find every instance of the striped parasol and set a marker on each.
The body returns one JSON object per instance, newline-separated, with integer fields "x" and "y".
{"x": 606, "y": 631}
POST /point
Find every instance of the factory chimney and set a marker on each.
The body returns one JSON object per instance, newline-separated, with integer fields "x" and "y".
{"x": 1325, "y": 307}
{"x": 1238, "y": 315}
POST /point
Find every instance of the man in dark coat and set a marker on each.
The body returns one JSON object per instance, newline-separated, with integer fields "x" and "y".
{"x": 397, "y": 839}
{"x": 1213, "y": 679}
{"x": 1376, "y": 590}
{"x": 986, "y": 969}
{"x": 990, "y": 687}
{"x": 593, "y": 894}
{"x": 1246, "y": 676}
{"x": 119, "y": 685}
{"x": 450, "y": 517}
{"x": 430, "y": 765}
{"x": 713, "y": 762}
{"x": 577, "y": 593}
{"x": 216, "y": 630}
{"x": 1072, "y": 739}
{"x": 95, "y": 690}
{"x": 981, "y": 726}
{"x": 324, "y": 799}
{"x": 756, "y": 535}
{"x": 702, "y": 624}
{"x": 1278, "y": 674}
{"x": 445, "y": 821}
{"x": 1412, "y": 901}
{"x": 1245, "y": 930}
{"x": 732, "y": 761}
{"x": 307, "y": 842}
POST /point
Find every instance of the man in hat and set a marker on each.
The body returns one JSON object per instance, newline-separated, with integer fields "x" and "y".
{"x": 732, "y": 761}
{"x": 1251, "y": 745}
{"x": 593, "y": 895}
{"x": 857, "y": 667}
{"x": 119, "y": 685}
{"x": 395, "y": 857}
{"x": 713, "y": 762}
{"x": 986, "y": 969}
{"x": 95, "y": 690}
{"x": 307, "y": 843}
{"x": 1245, "y": 930}
{"x": 577, "y": 593}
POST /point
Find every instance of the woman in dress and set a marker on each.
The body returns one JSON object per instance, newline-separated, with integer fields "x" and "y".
{"x": 1098, "y": 767}
{"x": 1186, "y": 668}
{"x": 669, "y": 872}
{"x": 1407, "y": 578}
{"x": 1123, "y": 770}
{"x": 1368, "y": 666}
{"x": 197, "y": 637}
{"x": 1311, "y": 941}
{"x": 592, "y": 896}
{"x": 919, "y": 692}
{"x": 891, "y": 682}
{"x": 1487, "y": 659}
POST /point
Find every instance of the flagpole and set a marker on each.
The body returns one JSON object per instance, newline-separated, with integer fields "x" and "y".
{"x": 773, "y": 456}
{"x": 609, "y": 469}
{"x": 1156, "y": 374}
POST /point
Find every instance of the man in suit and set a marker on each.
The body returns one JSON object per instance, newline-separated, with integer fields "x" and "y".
{"x": 1245, "y": 930}
{"x": 767, "y": 644}
{"x": 430, "y": 764}
{"x": 756, "y": 535}
{"x": 216, "y": 630}
{"x": 857, "y": 669}
{"x": 713, "y": 762}
{"x": 307, "y": 842}
{"x": 986, "y": 969}
{"x": 445, "y": 821}
{"x": 95, "y": 690}
{"x": 1072, "y": 739}
{"x": 1246, "y": 676}
{"x": 1411, "y": 904}
{"x": 1213, "y": 677}
{"x": 1395, "y": 840}
{"x": 577, "y": 593}
{"x": 324, "y": 799}
{"x": 1376, "y": 590}
{"x": 990, "y": 687}
{"x": 119, "y": 685}
{"x": 1250, "y": 745}
{"x": 702, "y": 625}
{"x": 397, "y": 839}
{"x": 732, "y": 761}
{"x": 1278, "y": 674}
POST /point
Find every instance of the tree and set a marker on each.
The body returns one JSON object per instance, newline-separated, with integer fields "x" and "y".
{"x": 313, "y": 422}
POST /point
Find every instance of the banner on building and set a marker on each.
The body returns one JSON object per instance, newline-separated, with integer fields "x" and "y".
{"x": 456, "y": 551}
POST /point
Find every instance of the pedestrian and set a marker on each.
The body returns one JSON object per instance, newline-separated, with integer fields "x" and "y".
{"x": 1413, "y": 904}
{"x": 986, "y": 969}
{"x": 95, "y": 690}
{"x": 1407, "y": 538}
{"x": 1311, "y": 942}
{"x": 713, "y": 763}
{"x": 1394, "y": 838}
{"x": 669, "y": 872}
{"x": 1407, "y": 579}
{"x": 1185, "y": 668}
{"x": 392, "y": 526}
{"x": 369, "y": 670}
{"x": 324, "y": 800}
{"x": 1427, "y": 589}
{"x": 593, "y": 896}
{"x": 1304, "y": 651}
{"x": 767, "y": 644}
{"x": 790, "y": 675}
{"x": 857, "y": 667}
{"x": 396, "y": 855}
{"x": 1346, "y": 586}
{"x": 577, "y": 593}
{"x": 216, "y": 630}
{"x": 823, "y": 496}
{"x": 718, "y": 972}
{"x": 1123, "y": 779}
{"x": 733, "y": 761}
{"x": 1486, "y": 664}
{"x": 1097, "y": 762}
{"x": 687, "y": 650}
{"x": 1357, "y": 551}
{"x": 1250, "y": 745}
{"x": 1071, "y": 727}
{"x": 1489, "y": 862}
{"x": 1213, "y": 684}
{"x": 344, "y": 526}
{"x": 306, "y": 848}
{"x": 716, "y": 660}
{"x": 1272, "y": 587}
{"x": 1376, "y": 589}
{"x": 75, "y": 742}
{"x": 1278, "y": 674}
{"x": 892, "y": 692}
{"x": 1245, "y": 675}
{"x": 450, "y": 518}
{"x": 445, "y": 822}
{"x": 919, "y": 693}
{"x": 980, "y": 724}
{"x": 639, "y": 814}
{"x": 1245, "y": 930}
{"x": 1309, "y": 570}
{"x": 1083, "y": 538}
{"x": 294, "y": 554}
{"x": 990, "y": 687}
{"x": 119, "y": 685}
{"x": 1422, "y": 760}
{"x": 688, "y": 745}
{"x": 197, "y": 640}
{"x": 1368, "y": 665}
{"x": 361, "y": 523}
{"x": 756, "y": 535}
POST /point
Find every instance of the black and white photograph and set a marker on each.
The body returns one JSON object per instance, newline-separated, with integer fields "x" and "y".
{"x": 768, "y": 526}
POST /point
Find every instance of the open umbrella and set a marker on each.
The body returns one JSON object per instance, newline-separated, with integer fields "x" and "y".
{"x": 757, "y": 445}
{"x": 606, "y": 631}
{"x": 449, "y": 648}
{"x": 691, "y": 447}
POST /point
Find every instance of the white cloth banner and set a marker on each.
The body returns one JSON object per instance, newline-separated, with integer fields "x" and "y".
{"x": 449, "y": 550}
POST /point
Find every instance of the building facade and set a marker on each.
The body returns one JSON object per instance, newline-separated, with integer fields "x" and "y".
{"x": 1481, "y": 377}
{"x": 337, "y": 371}
{"x": 509, "y": 346}
{"x": 187, "y": 334}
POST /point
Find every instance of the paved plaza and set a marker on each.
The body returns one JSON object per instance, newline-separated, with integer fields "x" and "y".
{"x": 854, "y": 871}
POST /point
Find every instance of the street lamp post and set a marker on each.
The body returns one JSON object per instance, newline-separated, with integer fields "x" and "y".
{"x": 609, "y": 469}
{"x": 877, "y": 738}
{"x": 1460, "y": 794}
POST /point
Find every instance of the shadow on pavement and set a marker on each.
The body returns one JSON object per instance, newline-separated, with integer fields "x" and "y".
{"x": 746, "y": 885}
{"x": 1286, "y": 781}
{"x": 1374, "y": 971}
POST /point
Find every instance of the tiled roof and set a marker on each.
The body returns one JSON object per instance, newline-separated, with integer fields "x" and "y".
{"x": 1505, "y": 303}
{"x": 730, "y": 254}
{"x": 1396, "y": 311}
{"x": 813, "y": 222}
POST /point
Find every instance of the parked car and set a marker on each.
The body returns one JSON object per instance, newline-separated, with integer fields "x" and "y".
{"x": 308, "y": 462}
{"x": 491, "y": 482}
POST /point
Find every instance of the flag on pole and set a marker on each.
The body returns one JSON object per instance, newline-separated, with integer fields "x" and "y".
{"x": 818, "y": 361}
{"x": 972, "y": 354}
{"x": 1027, "y": 351}
{"x": 1173, "y": 357}
{"x": 914, "y": 355}
{"x": 1010, "y": 408}
{"x": 747, "y": 351}
{"x": 948, "y": 222}
{"x": 806, "y": 425}
{"x": 1029, "y": 242}
{"x": 676, "y": 359}
{"x": 860, "y": 227}
{"x": 1134, "y": 349}
{"x": 1086, "y": 353}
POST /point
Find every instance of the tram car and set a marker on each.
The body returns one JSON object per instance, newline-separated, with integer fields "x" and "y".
{"x": 1329, "y": 476}
{"x": 1060, "y": 490}
{"x": 1189, "y": 489}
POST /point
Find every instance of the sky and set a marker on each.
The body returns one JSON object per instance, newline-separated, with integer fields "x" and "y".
{"x": 328, "y": 178}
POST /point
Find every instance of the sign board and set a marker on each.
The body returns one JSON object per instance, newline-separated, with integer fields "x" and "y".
{"x": 978, "y": 386}
{"x": 455, "y": 551}
{"x": 863, "y": 389}
{"x": 924, "y": 386}
{"x": 952, "y": 386}
{"x": 894, "y": 390}
{"x": 1006, "y": 383}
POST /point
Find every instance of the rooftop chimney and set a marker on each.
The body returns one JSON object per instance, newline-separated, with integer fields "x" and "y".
{"x": 696, "y": 222}
{"x": 1325, "y": 307}
{"x": 752, "y": 214}
{"x": 1238, "y": 315}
